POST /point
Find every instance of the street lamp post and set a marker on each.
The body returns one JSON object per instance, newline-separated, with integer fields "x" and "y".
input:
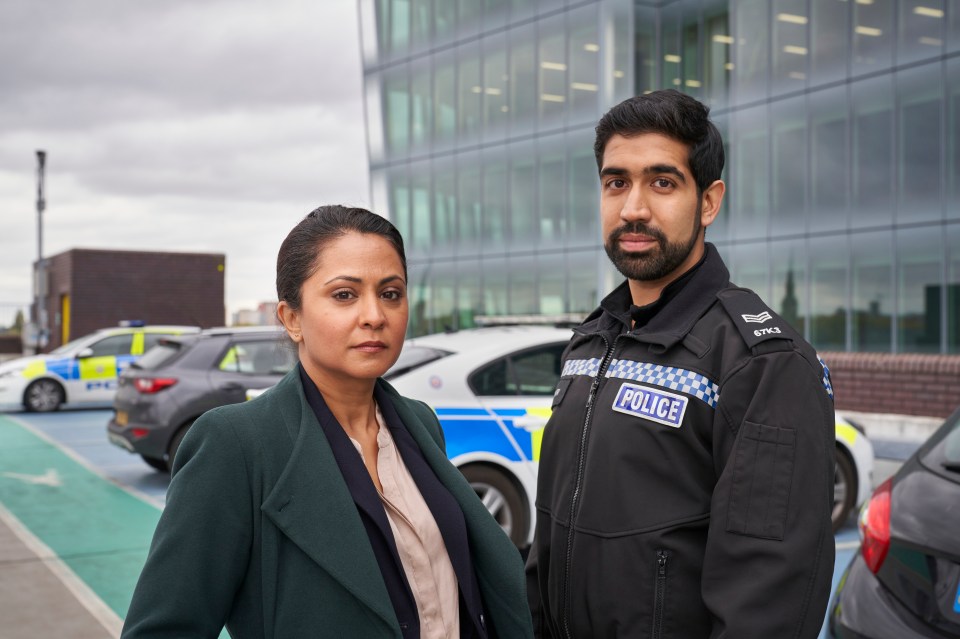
{"x": 40, "y": 288}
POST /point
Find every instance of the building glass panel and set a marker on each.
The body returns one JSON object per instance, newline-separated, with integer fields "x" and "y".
{"x": 750, "y": 174}
{"x": 789, "y": 295}
{"x": 922, "y": 29}
{"x": 523, "y": 78}
{"x": 953, "y": 138}
{"x": 830, "y": 160}
{"x": 829, "y": 265}
{"x": 552, "y": 278}
{"x": 873, "y": 148}
{"x": 441, "y": 315}
{"x": 496, "y": 86}
{"x": 829, "y": 40}
{"x": 553, "y": 72}
{"x": 397, "y": 109}
{"x": 493, "y": 219}
{"x": 420, "y": 234}
{"x": 583, "y": 183}
{"x": 646, "y": 65}
{"x": 791, "y": 47}
{"x": 523, "y": 284}
{"x": 582, "y": 289}
{"x": 920, "y": 98}
{"x": 790, "y": 153}
{"x": 468, "y": 293}
{"x": 399, "y": 25}
{"x": 872, "y": 301}
{"x": 469, "y": 204}
{"x": 919, "y": 289}
{"x": 445, "y": 101}
{"x": 584, "y": 54}
{"x": 752, "y": 56}
{"x": 444, "y": 18}
{"x": 421, "y": 106}
{"x": 952, "y": 324}
{"x": 470, "y": 92}
{"x": 748, "y": 268}
{"x": 671, "y": 46}
{"x": 953, "y": 28}
{"x": 718, "y": 63}
{"x": 551, "y": 191}
{"x": 421, "y": 21}
{"x": 444, "y": 207}
{"x": 618, "y": 69}
{"x": 523, "y": 197}
{"x": 873, "y": 36}
{"x": 495, "y": 289}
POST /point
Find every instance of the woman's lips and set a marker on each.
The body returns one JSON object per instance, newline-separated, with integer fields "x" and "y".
{"x": 370, "y": 347}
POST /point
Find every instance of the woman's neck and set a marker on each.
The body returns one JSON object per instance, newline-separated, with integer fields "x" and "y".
{"x": 350, "y": 401}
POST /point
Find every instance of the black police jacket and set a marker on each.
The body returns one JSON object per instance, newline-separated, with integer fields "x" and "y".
{"x": 686, "y": 474}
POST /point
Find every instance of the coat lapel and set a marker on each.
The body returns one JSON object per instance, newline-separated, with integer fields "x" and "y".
{"x": 312, "y": 505}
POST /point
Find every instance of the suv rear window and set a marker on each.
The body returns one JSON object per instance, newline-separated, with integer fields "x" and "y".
{"x": 157, "y": 356}
{"x": 267, "y": 357}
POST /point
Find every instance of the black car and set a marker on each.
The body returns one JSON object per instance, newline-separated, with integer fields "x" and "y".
{"x": 180, "y": 378}
{"x": 905, "y": 580}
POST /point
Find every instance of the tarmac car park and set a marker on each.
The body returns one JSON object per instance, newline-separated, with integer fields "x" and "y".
{"x": 83, "y": 371}
{"x": 492, "y": 389}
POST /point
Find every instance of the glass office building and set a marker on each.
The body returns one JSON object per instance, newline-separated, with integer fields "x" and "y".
{"x": 841, "y": 120}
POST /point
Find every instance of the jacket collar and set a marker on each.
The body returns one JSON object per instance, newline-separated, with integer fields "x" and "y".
{"x": 679, "y": 310}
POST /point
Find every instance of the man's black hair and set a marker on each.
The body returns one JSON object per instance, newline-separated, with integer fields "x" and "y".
{"x": 675, "y": 115}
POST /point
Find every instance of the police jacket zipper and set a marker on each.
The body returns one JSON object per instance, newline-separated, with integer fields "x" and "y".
{"x": 660, "y": 594}
{"x": 581, "y": 459}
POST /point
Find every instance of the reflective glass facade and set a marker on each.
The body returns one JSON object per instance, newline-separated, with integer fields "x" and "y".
{"x": 842, "y": 123}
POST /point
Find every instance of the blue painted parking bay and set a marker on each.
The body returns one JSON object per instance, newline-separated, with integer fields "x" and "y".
{"x": 97, "y": 533}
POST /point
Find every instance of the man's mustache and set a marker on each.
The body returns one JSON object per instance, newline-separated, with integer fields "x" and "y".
{"x": 638, "y": 228}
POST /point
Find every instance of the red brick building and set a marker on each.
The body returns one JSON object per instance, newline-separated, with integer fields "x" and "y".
{"x": 88, "y": 289}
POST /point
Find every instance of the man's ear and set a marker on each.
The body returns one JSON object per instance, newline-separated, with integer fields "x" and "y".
{"x": 710, "y": 202}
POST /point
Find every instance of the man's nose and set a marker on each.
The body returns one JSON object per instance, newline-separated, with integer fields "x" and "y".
{"x": 635, "y": 206}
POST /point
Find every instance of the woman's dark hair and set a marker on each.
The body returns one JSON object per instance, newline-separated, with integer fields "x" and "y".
{"x": 300, "y": 252}
{"x": 675, "y": 115}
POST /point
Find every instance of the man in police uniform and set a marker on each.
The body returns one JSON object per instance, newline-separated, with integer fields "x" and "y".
{"x": 686, "y": 475}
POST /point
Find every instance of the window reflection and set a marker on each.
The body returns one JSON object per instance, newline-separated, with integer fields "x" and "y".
{"x": 919, "y": 290}
{"x": 828, "y": 293}
{"x": 872, "y": 283}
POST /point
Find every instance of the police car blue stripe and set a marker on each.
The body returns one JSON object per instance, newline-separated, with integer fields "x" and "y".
{"x": 676, "y": 379}
{"x": 65, "y": 368}
{"x": 827, "y": 384}
{"x": 461, "y": 412}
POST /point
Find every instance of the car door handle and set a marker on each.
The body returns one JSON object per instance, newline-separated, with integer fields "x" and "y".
{"x": 231, "y": 387}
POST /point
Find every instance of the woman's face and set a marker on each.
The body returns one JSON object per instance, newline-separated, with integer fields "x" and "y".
{"x": 353, "y": 312}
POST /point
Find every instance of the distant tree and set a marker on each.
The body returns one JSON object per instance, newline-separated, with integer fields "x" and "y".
{"x": 17, "y": 327}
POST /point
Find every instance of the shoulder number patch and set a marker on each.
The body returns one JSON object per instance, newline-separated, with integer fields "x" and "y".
{"x": 650, "y": 403}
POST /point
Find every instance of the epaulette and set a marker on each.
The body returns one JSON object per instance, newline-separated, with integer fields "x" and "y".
{"x": 753, "y": 318}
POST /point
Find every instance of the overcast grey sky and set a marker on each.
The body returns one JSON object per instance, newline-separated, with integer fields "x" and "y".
{"x": 179, "y": 125}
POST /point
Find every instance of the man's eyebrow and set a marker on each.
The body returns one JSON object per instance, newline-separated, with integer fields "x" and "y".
{"x": 648, "y": 170}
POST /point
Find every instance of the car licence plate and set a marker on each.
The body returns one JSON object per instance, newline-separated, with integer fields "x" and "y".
{"x": 121, "y": 417}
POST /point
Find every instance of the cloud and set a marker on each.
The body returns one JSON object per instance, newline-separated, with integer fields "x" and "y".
{"x": 185, "y": 126}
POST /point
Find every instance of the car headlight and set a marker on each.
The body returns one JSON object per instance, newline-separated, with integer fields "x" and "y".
{"x": 12, "y": 372}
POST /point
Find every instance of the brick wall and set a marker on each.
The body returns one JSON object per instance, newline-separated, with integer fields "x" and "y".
{"x": 908, "y": 384}
{"x": 106, "y": 287}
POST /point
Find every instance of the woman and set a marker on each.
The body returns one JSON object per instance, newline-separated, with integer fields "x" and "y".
{"x": 326, "y": 507}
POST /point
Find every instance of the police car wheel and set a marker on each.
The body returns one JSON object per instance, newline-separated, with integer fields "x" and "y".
{"x": 502, "y": 498}
{"x": 844, "y": 490}
{"x": 43, "y": 396}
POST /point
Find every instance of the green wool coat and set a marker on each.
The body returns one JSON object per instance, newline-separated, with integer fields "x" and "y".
{"x": 261, "y": 534}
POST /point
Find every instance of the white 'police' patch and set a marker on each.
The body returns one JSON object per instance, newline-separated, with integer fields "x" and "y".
{"x": 651, "y": 403}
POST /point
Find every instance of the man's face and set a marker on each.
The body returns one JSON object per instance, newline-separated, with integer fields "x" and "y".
{"x": 651, "y": 214}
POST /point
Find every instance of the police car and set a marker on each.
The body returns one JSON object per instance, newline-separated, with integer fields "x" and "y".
{"x": 82, "y": 371}
{"x": 492, "y": 389}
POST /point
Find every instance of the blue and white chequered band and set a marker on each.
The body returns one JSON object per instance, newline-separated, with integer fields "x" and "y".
{"x": 827, "y": 384}
{"x": 676, "y": 379}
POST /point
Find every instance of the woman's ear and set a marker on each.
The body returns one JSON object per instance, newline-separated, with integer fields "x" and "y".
{"x": 290, "y": 320}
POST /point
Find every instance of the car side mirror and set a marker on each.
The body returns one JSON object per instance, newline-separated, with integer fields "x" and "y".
{"x": 85, "y": 353}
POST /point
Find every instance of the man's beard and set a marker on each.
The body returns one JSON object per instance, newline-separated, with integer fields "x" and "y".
{"x": 650, "y": 266}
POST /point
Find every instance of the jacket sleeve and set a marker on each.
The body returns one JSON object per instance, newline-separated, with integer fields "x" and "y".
{"x": 769, "y": 558}
{"x": 201, "y": 546}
